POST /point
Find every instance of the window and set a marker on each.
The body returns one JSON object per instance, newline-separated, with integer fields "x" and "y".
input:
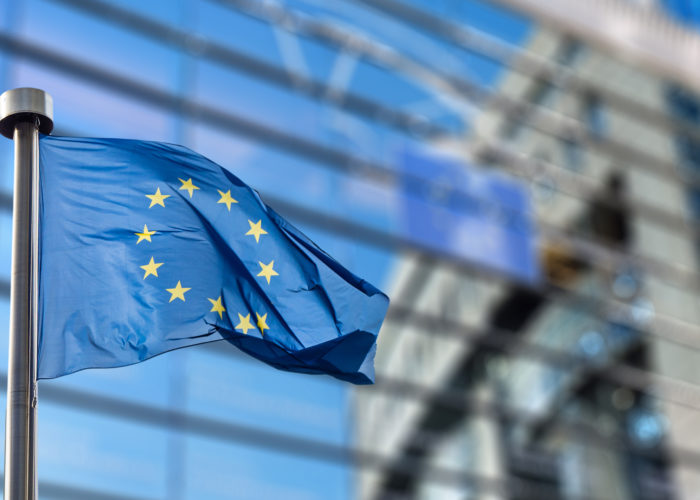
{"x": 686, "y": 106}
{"x": 594, "y": 115}
{"x": 572, "y": 154}
{"x": 540, "y": 96}
{"x": 541, "y": 93}
{"x": 683, "y": 104}
{"x": 689, "y": 152}
{"x": 570, "y": 50}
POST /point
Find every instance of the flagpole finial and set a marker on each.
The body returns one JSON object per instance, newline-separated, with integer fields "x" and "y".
{"x": 24, "y": 103}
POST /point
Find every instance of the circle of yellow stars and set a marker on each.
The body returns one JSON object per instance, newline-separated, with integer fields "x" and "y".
{"x": 267, "y": 271}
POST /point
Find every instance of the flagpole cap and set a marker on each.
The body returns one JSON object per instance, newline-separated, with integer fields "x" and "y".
{"x": 23, "y": 104}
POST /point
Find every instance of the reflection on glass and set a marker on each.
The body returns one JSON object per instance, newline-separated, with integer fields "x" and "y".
{"x": 592, "y": 344}
{"x": 5, "y": 245}
{"x": 544, "y": 188}
{"x": 626, "y": 283}
{"x": 569, "y": 51}
{"x": 594, "y": 115}
{"x": 642, "y": 311}
{"x": 572, "y": 154}
{"x": 498, "y": 367}
{"x": 622, "y": 399}
{"x": 620, "y": 334}
{"x": 646, "y": 427}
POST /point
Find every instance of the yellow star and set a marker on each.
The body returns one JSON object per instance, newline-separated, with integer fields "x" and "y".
{"x": 216, "y": 306}
{"x": 188, "y": 186}
{"x": 244, "y": 324}
{"x": 256, "y": 230}
{"x": 178, "y": 292}
{"x": 226, "y": 198}
{"x": 151, "y": 268}
{"x": 157, "y": 199}
{"x": 267, "y": 271}
{"x": 262, "y": 323}
{"x": 146, "y": 235}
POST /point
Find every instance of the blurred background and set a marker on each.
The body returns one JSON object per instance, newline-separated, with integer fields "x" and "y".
{"x": 521, "y": 177}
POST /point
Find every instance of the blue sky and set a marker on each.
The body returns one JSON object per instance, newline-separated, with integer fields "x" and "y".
{"x": 108, "y": 453}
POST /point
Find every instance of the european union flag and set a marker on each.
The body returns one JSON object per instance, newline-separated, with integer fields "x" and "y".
{"x": 147, "y": 247}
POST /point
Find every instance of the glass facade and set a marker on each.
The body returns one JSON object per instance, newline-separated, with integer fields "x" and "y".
{"x": 558, "y": 393}
{"x": 208, "y": 423}
{"x": 577, "y": 384}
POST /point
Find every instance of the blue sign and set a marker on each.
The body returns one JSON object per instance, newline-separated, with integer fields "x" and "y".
{"x": 459, "y": 211}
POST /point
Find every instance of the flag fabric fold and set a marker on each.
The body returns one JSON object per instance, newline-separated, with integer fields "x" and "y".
{"x": 146, "y": 247}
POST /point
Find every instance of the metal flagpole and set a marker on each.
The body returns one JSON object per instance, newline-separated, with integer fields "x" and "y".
{"x": 24, "y": 112}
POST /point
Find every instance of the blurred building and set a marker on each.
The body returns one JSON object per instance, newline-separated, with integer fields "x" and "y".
{"x": 585, "y": 386}
{"x": 491, "y": 384}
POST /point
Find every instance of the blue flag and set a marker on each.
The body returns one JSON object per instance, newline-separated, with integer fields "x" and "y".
{"x": 146, "y": 247}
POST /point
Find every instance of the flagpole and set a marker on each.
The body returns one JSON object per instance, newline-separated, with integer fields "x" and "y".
{"x": 24, "y": 113}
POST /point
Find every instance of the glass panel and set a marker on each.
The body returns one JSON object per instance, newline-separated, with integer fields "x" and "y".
{"x": 100, "y": 43}
{"x": 259, "y": 473}
{"x": 264, "y": 398}
{"x": 5, "y": 244}
{"x": 228, "y": 27}
{"x": 114, "y": 457}
{"x": 84, "y": 109}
